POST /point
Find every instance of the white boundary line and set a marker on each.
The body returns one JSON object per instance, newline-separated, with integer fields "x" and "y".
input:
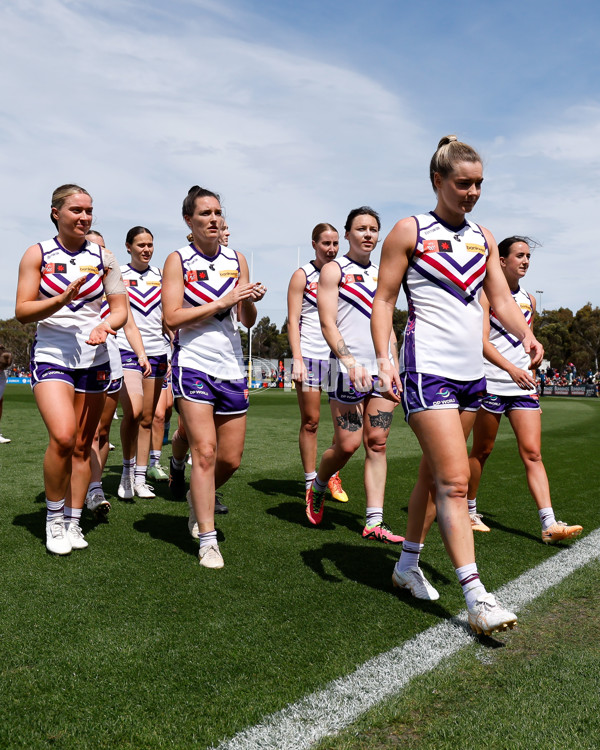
{"x": 302, "y": 724}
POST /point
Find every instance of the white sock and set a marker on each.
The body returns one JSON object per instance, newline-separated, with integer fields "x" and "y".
{"x": 207, "y": 538}
{"x": 154, "y": 458}
{"x": 410, "y": 555}
{"x": 468, "y": 577}
{"x": 547, "y": 517}
{"x": 54, "y": 510}
{"x": 308, "y": 478}
{"x": 318, "y": 485}
{"x": 472, "y": 505}
{"x": 140, "y": 474}
{"x": 72, "y": 515}
{"x": 374, "y": 516}
{"x": 128, "y": 466}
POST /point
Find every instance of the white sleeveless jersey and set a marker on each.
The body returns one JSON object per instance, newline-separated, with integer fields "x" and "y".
{"x": 312, "y": 343}
{"x": 211, "y": 345}
{"x": 443, "y": 334}
{"x": 144, "y": 290}
{"x": 60, "y": 339}
{"x": 355, "y": 306}
{"x": 499, "y": 382}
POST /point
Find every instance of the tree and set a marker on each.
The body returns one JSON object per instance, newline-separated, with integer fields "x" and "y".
{"x": 586, "y": 337}
{"x": 18, "y": 339}
{"x": 553, "y": 330}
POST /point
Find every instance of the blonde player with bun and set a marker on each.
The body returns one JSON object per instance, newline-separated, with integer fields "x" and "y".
{"x": 443, "y": 260}
{"x": 310, "y": 351}
{"x": 61, "y": 285}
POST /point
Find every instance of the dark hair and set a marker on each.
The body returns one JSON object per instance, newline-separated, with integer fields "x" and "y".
{"x": 190, "y": 199}
{"x": 450, "y": 151}
{"x": 133, "y": 233}
{"x": 366, "y": 210}
{"x": 505, "y": 245}
{"x": 60, "y": 195}
{"x": 320, "y": 228}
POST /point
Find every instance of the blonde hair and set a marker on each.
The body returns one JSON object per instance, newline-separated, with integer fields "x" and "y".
{"x": 60, "y": 195}
{"x": 449, "y": 152}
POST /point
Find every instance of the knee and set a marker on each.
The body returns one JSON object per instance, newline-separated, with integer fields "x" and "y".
{"x": 230, "y": 464}
{"x": 531, "y": 456}
{"x": 453, "y": 488}
{"x": 375, "y": 445}
{"x": 204, "y": 456}
{"x": 310, "y": 425}
{"x": 63, "y": 444}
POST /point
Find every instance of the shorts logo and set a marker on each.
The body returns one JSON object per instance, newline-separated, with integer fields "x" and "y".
{"x": 443, "y": 392}
{"x": 493, "y": 398}
{"x": 437, "y": 246}
{"x": 231, "y": 274}
{"x": 246, "y": 393}
{"x": 89, "y": 269}
{"x": 196, "y": 276}
{"x": 475, "y": 248}
{"x": 55, "y": 268}
{"x": 102, "y": 375}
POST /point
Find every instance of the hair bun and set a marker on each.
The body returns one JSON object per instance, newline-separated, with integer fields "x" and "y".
{"x": 446, "y": 140}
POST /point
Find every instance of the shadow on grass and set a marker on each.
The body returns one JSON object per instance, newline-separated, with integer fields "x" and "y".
{"x": 370, "y": 566}
{"x": 497, "y": 526}
{"x": 335, "y": 515}
{"x": 172, "y": 530}
{"x": 34, "y": 522}
{"x": 287, "y": 487}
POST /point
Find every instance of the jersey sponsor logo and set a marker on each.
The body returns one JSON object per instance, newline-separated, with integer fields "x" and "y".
{"x": 55, "y": 268}
{"x": 353, "y": 278}
{"x": 89, "y": 269}
{"x": 471, "y": 248}
{"x": 231, "y": 274}
{"x": 196, "y": 276}
{"x": 153, "y": 283}
{"x": 525, "y": 306}
{"x": 130, "y": 282}
{"x": 437, "y": 246}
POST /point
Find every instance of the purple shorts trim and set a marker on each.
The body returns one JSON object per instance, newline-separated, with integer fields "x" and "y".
{"x": 317, "y": 372}
{"x": 422, "y": 391}
{"x": 115, "y": 385}
{"x": 158, "y": 364}
{"x": 343, "y": 391}
{"x": 86, "y": 380}
{"x": 505, "y": 404}
{"x": 225, "y": 396}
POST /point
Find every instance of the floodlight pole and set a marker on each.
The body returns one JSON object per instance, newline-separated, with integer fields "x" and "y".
{"x": 250, "y": 329}
{"x": 540, "y": 292}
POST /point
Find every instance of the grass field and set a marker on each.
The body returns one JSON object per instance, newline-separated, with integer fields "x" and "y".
{"x": 131, "y": 644}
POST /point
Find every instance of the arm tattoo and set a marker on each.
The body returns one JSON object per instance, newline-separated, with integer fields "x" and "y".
{"x": 351, "y": 421}
{"x": 382, "y": 419}
{"x": 342, "y": 349}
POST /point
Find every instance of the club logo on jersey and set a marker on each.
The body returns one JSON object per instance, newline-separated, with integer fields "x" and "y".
{"x": 55, "y": 268}
{"x": 475, "y": 248}
{"x": 196, "y": 276}
{"x": 313, "y": 286}
{"x": 231, "y": 274}
{"x": 353, "y": 278}
{"x": 437, "y": 246}
{"x": 89, "y": 269}
{"x": 130, "y": 282}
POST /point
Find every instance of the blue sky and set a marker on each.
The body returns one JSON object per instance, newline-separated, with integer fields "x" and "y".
{"x": 297, "y": 112}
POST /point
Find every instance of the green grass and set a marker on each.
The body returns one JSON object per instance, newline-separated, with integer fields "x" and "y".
{"x": 131, "y": 644}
